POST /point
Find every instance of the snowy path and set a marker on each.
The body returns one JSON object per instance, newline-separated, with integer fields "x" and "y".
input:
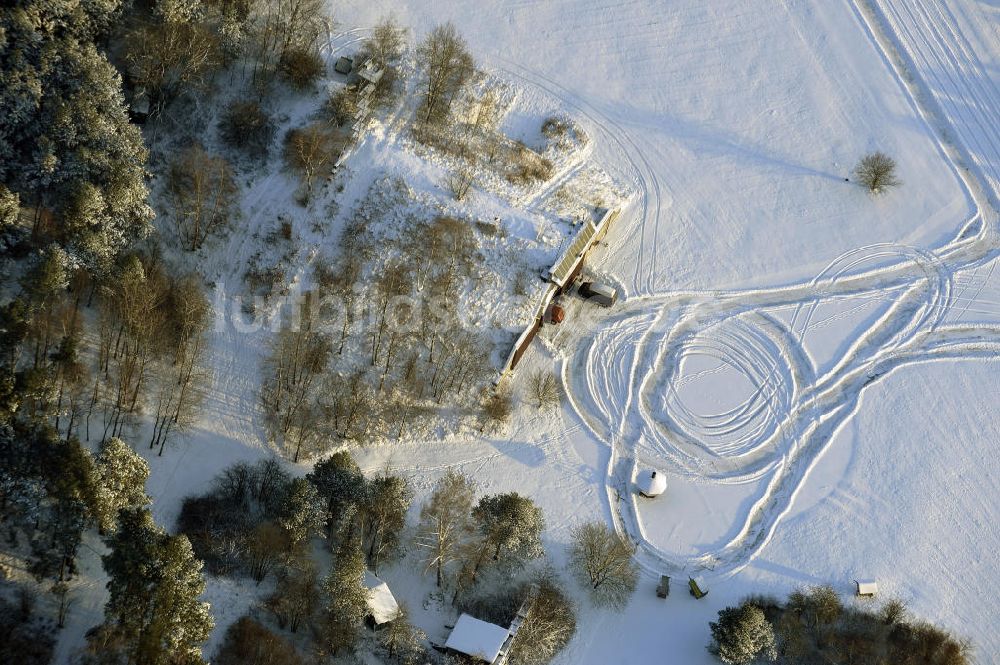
{"x": 631, "y": 375}
{"x": 943, "y": 39}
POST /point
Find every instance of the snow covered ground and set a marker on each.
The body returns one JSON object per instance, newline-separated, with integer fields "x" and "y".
{"x": 812, "y": 368}
{"x": 771, "y": 304}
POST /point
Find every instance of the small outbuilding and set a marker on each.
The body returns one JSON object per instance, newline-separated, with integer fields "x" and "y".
{"x": 602, "y": 294}
{"x": 476, "y": 638}
{"x": 139, "y": 106}
{"x": 697, "y": 587}
{"x": 865, "y": 588}
{"x": 651, "y": 483}
{"x": 344, "y": 65}
{"x": 663, "y": 589}
{"x": 555, "y": 314}
{"x": 382, "y": 605}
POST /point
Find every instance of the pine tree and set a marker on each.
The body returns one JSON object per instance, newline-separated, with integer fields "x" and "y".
{"x": 346, "y": 598}
{"x": 743, "y": 635}
{"x": 383, "y": 515}
{"x": 304, "y": 512}
{"x": 339, "y": 481}
{"x": 509, "y": 530}
{"x": 154, "y": 586}
{"x": 66, "y": 145}
{"x": 121, "y": 481}
{"x": 510, "y": 525}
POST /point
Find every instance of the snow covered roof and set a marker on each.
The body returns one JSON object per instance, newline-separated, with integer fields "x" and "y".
{"x": 866, "y": 587}
{"x": 564, "y": 267}
{"x": 381, "y": 603}
{"x": 477, "y": 638}
{"x": 651, "y": 483}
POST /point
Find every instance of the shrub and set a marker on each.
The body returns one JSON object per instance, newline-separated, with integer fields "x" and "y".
{"x": 550, "y": 625}
{"x": 497, "y": 409}
{"x": 813, "y": 626}
{"x": 300, "y": 68}
{"x": 544, "y": 389}
{"x": 528, "y": 166}
{"x": 26, "y": 640}
{"x": 249, "y": 643}
{"x": 341, "y": 107}
{"x": 247, "y": 127}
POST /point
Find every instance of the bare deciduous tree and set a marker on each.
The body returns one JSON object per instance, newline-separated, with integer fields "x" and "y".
{"x": 203, "y": 194}
{"x": 291, "y": 374}
{"x": 446, "y": 522}
{"x": 401, "y": 639}
{"x": 180, "y": 373}
{"x": 296, "y": 595}
{"x": 449, "y": 66}
{"x": 877, "y": 172}
{"x": 311, "y": 149}
{"x": 604, "y": 562}
{"x": 386, "y": 43}
{"x": 548, "y": 628}
{"x": 169, "y": 57}
{"x": 460, "y": 180}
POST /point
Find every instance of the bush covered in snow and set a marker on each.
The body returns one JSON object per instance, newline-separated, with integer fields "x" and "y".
{"x": 815, "y": 626}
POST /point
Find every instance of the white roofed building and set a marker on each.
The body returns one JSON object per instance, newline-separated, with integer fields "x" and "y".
{"x": 476, "y": 638}
{"x": 651, "y": 483}
{"x": 382, "y": 606}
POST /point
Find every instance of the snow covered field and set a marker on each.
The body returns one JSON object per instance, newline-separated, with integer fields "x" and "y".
{"x": 812, "y": 368}
{"x": 773, "y": 306}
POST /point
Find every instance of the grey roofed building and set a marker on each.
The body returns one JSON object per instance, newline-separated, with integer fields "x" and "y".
{"x": 344, "y": 65}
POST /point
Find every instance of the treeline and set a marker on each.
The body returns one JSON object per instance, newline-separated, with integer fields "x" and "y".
{"x": 72, "y": 167}
{"x": 814, "y": 626}
{"x": 51, "y": 491}
{"x": 148, "y": 334}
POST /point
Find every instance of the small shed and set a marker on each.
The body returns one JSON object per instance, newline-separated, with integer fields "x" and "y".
{"x": 382, "y": 605}
{"x": 344, "y": 65}
{"x": 663, "y": 589}
{"x": 139, "y": 107}
{"x": 476, "y": 638}
{"x": 602, "y": 294}
{"x": 696, "y": 586}
{"x": 865, "y": 588}
{"x": 651, "y": 483}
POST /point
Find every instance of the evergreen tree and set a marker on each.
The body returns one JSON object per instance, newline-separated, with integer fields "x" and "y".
{"x": 383, "y": 515}
{"x": 743, "y": 635}
{"x": 66, "y": 145}
{"x": 121, "y": 481}
{"x": 304, "y": 512}
{"x": 346, "y": 598}
{"x": 339, "y": 481}
{"x": 154, "y": 586}
{"x": 510, "y": 526}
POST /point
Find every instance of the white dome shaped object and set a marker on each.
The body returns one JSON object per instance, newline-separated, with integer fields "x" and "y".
{"x": 651, "y": 483}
